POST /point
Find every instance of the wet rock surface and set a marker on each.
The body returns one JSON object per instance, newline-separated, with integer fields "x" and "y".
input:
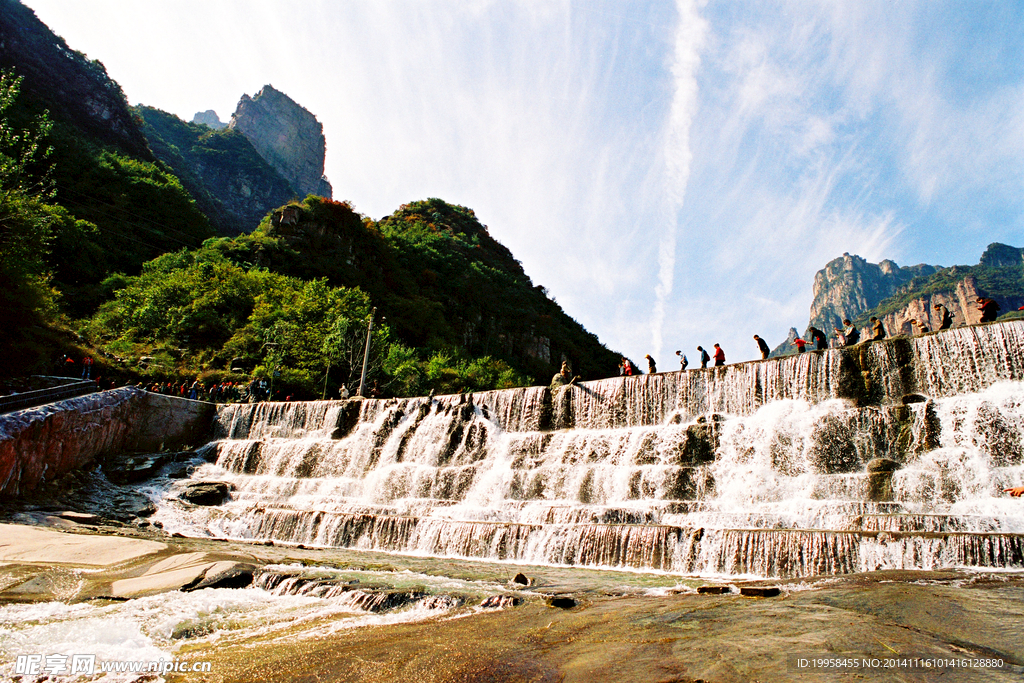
{"x": 615, "y": 630}
{"x": 561, "y": 601}
{"x": 227, "y": 575}
{"x": 205, "y": 492}
{"x": 135, "y": 468}
{"x": 760, "y": 591}
{"x": 681, "y": 638}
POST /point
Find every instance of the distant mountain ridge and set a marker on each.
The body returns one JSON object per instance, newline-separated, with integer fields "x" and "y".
{"x": 124, "y": 207}
{"x": 75, "y": 89}
{"x": 139, "y": 191}
{"x": 271, "y": 152}
{"x": 999, "y": 275}
{"x": 209, "y": 118}
{"x": 849, "y": 287}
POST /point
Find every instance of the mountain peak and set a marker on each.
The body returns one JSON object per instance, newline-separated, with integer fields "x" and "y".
{"x": 209, "y": 118}
{"x": 287, "y": 136}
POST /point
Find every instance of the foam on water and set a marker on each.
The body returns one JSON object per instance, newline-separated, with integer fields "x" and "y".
{"x": 154, "y": 628}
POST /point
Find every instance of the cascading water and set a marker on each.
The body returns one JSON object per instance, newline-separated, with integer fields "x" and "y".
{"x": 759, "y": 468}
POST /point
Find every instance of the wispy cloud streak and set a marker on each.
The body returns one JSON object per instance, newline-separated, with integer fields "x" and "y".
{"x": 689, "y": 41}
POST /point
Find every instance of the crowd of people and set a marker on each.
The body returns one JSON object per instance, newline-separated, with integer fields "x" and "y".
{"x": 215, "y": 392}
{"x": 846, "y": 336}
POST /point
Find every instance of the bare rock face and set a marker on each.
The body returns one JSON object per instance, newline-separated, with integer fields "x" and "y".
{"x": 209, "y": 118}
{"x": 849, "y": 285}
{"x": 960, "y": 300}
{"x": 287, "y": 136}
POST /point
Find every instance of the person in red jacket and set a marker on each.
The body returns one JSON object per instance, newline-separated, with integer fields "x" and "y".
{"x": 719, "y": 356}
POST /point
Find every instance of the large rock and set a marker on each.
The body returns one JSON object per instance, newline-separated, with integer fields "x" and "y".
{"x": 225, "y": 574}
{"x": 133, "y": 469}
{"x": 185, "y": 572}
{"x": 205, "y": 492}
{"x": 26, "y": 544}
{"x": 287, "y": 136}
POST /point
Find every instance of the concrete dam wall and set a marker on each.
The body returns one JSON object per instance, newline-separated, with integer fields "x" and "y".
{"x": 891, "y": 454}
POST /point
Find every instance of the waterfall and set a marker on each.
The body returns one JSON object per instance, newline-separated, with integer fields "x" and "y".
{"x": 759, "y": 468}
{"x": 969, "y": 359}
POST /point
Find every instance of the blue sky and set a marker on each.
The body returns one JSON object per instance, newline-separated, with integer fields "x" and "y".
{"x": 674, "y": 173}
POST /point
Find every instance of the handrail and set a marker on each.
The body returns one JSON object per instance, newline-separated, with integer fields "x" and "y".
{"x": 38, "y": 397}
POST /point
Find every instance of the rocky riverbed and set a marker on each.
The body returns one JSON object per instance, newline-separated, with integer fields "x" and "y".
{"x": 70, "y": 580}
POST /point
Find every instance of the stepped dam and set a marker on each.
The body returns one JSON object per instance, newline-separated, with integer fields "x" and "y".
{"x": 888, "y": 455}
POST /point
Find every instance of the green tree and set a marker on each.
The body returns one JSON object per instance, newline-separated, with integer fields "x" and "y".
{"x": 25, "y": 220}
{"x": 27, "y": 224}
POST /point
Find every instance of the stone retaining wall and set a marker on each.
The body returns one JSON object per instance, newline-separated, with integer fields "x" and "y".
{"x": 43, "y": 443}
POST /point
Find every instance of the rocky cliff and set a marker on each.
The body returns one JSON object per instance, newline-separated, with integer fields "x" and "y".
{"x": 209, "y": 118}
{"x": 998, "y": 275}
{"x": 229, "y": 180}
{"x": 73, "y": 88}
{"x": 960, "y": 299}
{"x": 287, "y": 136}
{"x": 849, "y": 285}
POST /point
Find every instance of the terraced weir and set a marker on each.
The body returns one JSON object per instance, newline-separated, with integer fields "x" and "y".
{"x": 888, "y": 455}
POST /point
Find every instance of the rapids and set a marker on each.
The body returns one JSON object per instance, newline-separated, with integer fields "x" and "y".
{"x": 758, "y": 468}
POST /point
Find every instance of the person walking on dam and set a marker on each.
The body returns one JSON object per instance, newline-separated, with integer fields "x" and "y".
{"x": 989, "y": 310}
{"x": 946, "y": 320}
{"x": 719, "y": 356}
{"x": 851, "y": 333}
{"x": 820, "y": 343}
{"x": 704, "y": 357}
{"x": 682, "y": 360}
{"x": 652, "y": 367}
{"x": 763, "y": 347}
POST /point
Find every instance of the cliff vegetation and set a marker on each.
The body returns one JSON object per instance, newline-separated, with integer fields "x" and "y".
{"x": 456, "y": 312}
{"x": 230, "y": 182}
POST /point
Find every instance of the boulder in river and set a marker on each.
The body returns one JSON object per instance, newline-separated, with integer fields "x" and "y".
{"x": 205, "y": 492}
